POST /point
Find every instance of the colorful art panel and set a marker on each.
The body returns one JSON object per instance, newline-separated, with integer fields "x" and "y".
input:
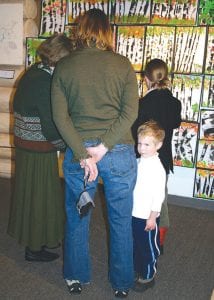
{"x": 52, "y": 17}
{"x": 184, "y": 143}
{"x": 205, "y": 157}
{"x": 130, "y": 11}
{"x": 31, "y": 46}
{"x": 78, "y": 7}
{"x": 204, "y": 184}
{"x": 189, "y": 49}
{"x": 180, "y": 12}
{"x": 159, "y": 43}
{"x": 207, "y": 125}
{"x": 130, "y": 43}
{"x": 187, "y": 88}
{"x": 206, "y": 12}
{"x": 209, "y": 65}
{"x": 208, "y": 92}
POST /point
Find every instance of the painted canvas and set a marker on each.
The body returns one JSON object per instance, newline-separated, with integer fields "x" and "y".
{"x": 176, "y": 12}
{"x": 159, "y": 43}
{"x": 204, "y": 184}
{"x": 189, "y": 49}
{"x": 209, "y": 65}
{"x": 187, "y": 88}
{"x": 208, "y": 92}
{"x": 130, "y": 11}
{"x": 184, "y": 144}
{"x": 207, "y": 125}
{"x": 205, "y": 156}
{"x": 130, "y": 43}
{"x": 78, "y": 7}
{"x": 53, "y": 17}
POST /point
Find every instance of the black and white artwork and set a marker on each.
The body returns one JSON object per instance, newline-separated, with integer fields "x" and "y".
{"x": 204, "y": 184}
{"x": 189, "y": 49}
{"x": 205, "y": 156}
{"x": 207, "y": 125}
{"x": 184, "y": 144}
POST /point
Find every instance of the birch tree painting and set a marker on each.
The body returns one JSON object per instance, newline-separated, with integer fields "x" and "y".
{"x": 53, "y": 17}
{"x": 209, "y": 65}
{"x": 184, "y": 143}
{"x": 78, "y": 7}
{"x": 187, "y": 88}
{"x": 130, "y": 11}
{"x": 189, "y": 49}
{"x": 205, "y": 156}
{"x": 180, "y": 12}
{"x": 130, "y": 43}
{"x": 204, "y": 184}
{"x": 208, "y": 92}
{"x": 159, "y": 44}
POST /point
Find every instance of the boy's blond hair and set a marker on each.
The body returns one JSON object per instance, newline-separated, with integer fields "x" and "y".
{"x": 151, "y": 128}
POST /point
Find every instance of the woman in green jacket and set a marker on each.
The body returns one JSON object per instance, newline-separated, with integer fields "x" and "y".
{"x": 37, "y": 215}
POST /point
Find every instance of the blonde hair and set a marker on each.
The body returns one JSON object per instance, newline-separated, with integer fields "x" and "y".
{"x": 54, "y": 48}
{"x": 151, "y": 128}
{"x": 94, "y": 29}
{"x": 156, "y": 71}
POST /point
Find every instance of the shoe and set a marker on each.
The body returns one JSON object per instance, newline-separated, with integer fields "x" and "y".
{"x": 42, "y": 255}
{"x": 74, "y": 286}
{"x": 121, "y": 294}
{"x": 140, "y": 287}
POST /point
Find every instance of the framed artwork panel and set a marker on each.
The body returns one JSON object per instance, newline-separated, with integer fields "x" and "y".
{"x": 205, "y": 156}
{"x": 184, "y": 144}
{"x": 130, "y": 43}
{"x": 187, "y": 88}
{"x": 208, "y": 92}
{"x": 209, "y": 65}
{"x": 159, "y": 43}
{"x": 207, "y": 125}
{"x": 78, "y": 7}
{"x": 129, "y": 11}
{"x": 189, "y": 49}
{"x": 53, "y": 17}
{"x": 204, "y": 184}
{"x": 178, "y": 12}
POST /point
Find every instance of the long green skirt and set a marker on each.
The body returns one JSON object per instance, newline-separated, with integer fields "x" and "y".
{"x": 37, "y": 207}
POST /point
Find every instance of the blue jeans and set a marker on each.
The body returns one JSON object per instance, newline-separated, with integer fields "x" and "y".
{"x": 118, "y": 172}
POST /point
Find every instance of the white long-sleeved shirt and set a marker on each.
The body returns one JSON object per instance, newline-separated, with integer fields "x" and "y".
{"x": 149, "y": 191}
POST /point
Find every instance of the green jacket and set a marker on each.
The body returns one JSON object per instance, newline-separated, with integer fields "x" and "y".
{"x": 94, "y": 96}
{"x": 34, "y": 128}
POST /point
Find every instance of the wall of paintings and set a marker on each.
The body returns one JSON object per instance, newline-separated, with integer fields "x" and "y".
{"x": 181, "y": 32}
